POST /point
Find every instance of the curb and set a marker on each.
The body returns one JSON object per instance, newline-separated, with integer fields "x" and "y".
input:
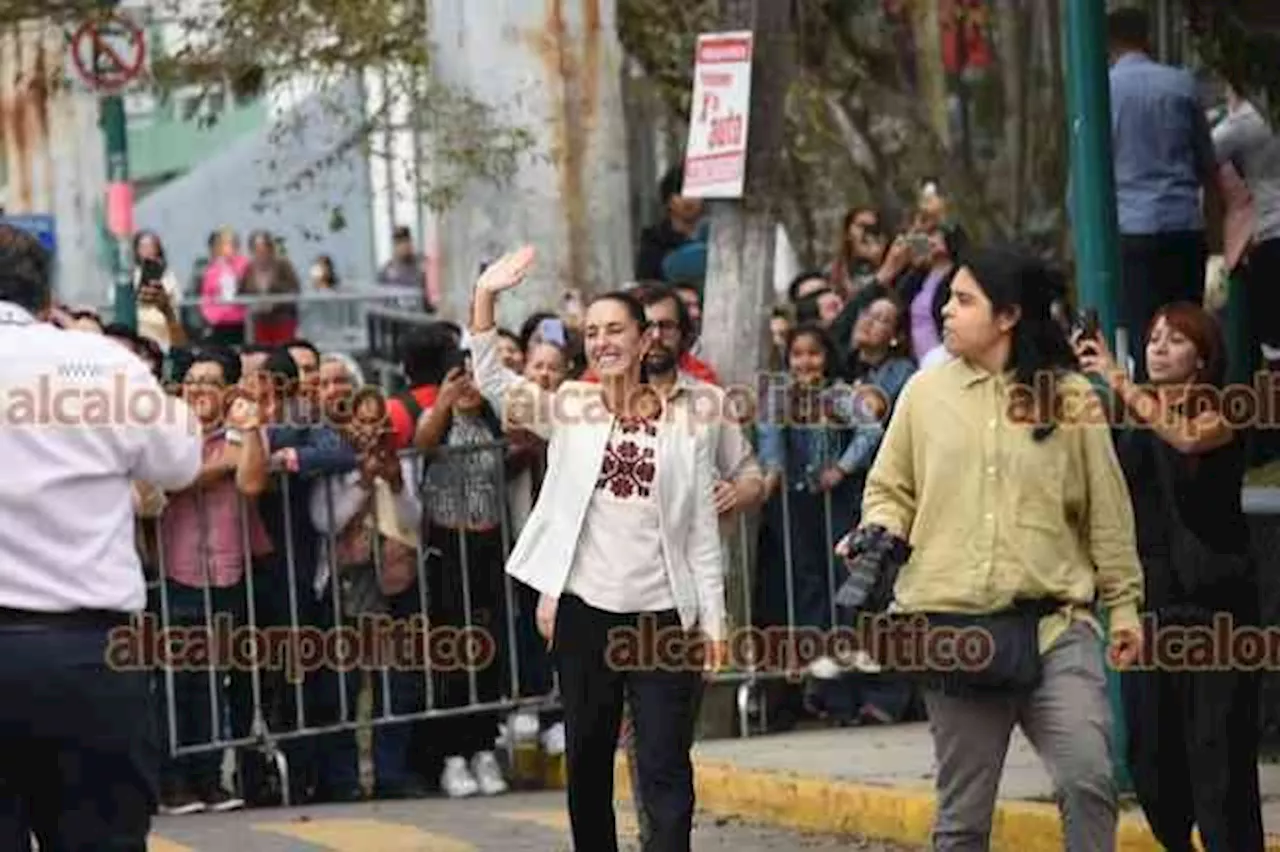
{"x": 829, "y": 806}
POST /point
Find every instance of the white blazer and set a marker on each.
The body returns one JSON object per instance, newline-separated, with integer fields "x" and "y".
{"x": 576, "y": 426}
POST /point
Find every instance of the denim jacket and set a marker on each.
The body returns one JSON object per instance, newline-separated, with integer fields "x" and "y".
{"x": 848, "y": 439}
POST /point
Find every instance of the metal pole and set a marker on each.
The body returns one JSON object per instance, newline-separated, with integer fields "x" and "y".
{"x": 1095, "y": 227}
{"x": 119, "y": 200}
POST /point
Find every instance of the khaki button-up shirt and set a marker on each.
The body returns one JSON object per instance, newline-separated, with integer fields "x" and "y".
{"x": 992, "y": 515}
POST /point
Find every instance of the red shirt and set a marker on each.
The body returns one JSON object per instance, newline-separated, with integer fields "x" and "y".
{"x": 695, "y": 367}
{"x": 402, "y": 425}
{"x": 698, "y": 368}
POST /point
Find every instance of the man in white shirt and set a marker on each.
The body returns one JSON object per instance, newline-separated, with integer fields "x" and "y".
{"x": 81, "y": 418}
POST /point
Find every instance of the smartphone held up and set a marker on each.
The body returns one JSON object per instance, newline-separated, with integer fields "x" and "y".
{"x": 1087, "y": 325}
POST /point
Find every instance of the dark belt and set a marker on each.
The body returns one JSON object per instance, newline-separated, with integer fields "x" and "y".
{"x": 74, "y": 619}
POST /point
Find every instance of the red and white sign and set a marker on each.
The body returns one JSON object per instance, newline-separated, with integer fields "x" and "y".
{"x": 109, "y": 54}
{"x": 715, "y": 163}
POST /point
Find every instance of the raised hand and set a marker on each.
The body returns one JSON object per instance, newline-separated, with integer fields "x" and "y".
{"x": 507, "y": 271}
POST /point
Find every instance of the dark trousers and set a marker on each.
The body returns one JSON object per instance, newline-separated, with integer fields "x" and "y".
{"x": 79, "y": 752}
{"x": 1262, "y": 294}
{"x": 283, "y": 695}
{"x": 663, "y": 705}
{"x": 397, "y": 691}
{"x": 464, "y": 734}
{"x": 202, "y": 695}
{"x": 798, "y": 573}
{"x": 1262, "y": 298}
{"x": 1157, "y": 270}
{"x": 1193, "y": 755}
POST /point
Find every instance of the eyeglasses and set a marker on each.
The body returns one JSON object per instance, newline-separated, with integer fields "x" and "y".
{"x": 665, "y": 326}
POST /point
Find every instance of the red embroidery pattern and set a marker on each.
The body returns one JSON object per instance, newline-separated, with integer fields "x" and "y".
{"x": 629, "y": 468}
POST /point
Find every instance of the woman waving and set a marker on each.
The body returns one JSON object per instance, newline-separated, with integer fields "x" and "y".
{"x": 622, "y": 545}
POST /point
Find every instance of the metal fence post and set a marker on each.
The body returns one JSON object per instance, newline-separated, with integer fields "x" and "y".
{"x": 1095, "y": 229}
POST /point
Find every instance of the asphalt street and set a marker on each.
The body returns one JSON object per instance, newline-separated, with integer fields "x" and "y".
{"x": 517, "y": 822}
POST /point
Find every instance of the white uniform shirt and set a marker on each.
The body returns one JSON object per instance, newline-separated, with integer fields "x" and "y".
{"x": 81, "y": 418}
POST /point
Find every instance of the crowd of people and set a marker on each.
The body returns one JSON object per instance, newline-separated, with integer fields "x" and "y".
{"x": 915, "y": 430}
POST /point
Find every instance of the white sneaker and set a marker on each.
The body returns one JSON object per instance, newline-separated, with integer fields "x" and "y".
{"x": 525, "y": 726}
{"x": 863, "y": 662}
{"x": 487, "y": 774}
{"x": 553, "y": 739}
{"x": 825, "y": 668}
{"x": 456, "y": 780}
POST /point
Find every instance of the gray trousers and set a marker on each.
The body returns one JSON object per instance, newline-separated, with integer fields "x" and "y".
{"x": 1068, "y": 721}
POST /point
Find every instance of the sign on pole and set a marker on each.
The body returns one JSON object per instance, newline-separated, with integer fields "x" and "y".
{"x": 715, "y": 163}
{"x": 109, "y": 54}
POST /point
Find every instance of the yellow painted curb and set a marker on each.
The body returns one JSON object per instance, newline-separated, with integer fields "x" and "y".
{"x": 830, "y": 806}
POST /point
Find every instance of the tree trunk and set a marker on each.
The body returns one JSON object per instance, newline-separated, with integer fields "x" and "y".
{"x": 931, "y": 75}
{"x": 1014, "y": 69}
{"x": 739, "y": 286}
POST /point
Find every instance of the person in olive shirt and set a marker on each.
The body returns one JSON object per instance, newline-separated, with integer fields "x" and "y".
{"x": 998, "y": 508}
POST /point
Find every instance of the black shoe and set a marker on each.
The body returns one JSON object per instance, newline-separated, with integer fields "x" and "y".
{"x": 410, "y": 788}
{"x": 219, "y": 801}
{"x": 341, "y": 795}
{"x": 178, "y": 801}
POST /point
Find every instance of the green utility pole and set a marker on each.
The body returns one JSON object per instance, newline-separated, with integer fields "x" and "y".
{"x": 113, "y": 131}
{"x": 119, "y": 198}
{"x": 1095, "y": 227}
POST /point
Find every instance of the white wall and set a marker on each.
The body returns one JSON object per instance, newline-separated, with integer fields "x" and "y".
{"x": 245, "y": 187}
{"x": 561, "y": 79}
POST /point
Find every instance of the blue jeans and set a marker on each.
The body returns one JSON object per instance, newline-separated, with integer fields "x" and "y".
{"x": 337, "y": 754}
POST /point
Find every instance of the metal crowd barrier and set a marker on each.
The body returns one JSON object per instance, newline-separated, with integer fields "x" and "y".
{"x": 334, "y": 320}
{"x": 782, "y": 578}
{"x": 283, "y": 689}
{"x": 241, "y": 678}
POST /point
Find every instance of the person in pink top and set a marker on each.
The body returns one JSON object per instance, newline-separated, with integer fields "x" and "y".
{"x": 220, "y": 285}
{"x": 203, "y": 553}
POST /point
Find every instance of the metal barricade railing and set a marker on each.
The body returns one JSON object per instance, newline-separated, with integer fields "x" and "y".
{"x": 772, "y": 575}
{"x": 334, "y": 320}
{"x": 273, "y": 624}
{"x": 289, "y": 607}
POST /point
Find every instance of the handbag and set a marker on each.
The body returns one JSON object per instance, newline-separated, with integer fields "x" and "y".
{"x": 986, "y": 655}
{"x": 1008, "y": 641}
{"x": 1202, "y": 576}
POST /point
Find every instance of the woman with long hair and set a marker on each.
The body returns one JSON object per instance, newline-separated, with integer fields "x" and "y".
{"x": 1193, "y": 734}
{"x": 623, "y": 543}
{"x": 880, "y": 347}
{"x": 157, "y": 291}
{"x": 860, "y": 250}
{"x": 1016, "y": 521}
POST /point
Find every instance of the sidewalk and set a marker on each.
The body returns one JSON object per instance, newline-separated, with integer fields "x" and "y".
{"x": 878, "y": 782}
